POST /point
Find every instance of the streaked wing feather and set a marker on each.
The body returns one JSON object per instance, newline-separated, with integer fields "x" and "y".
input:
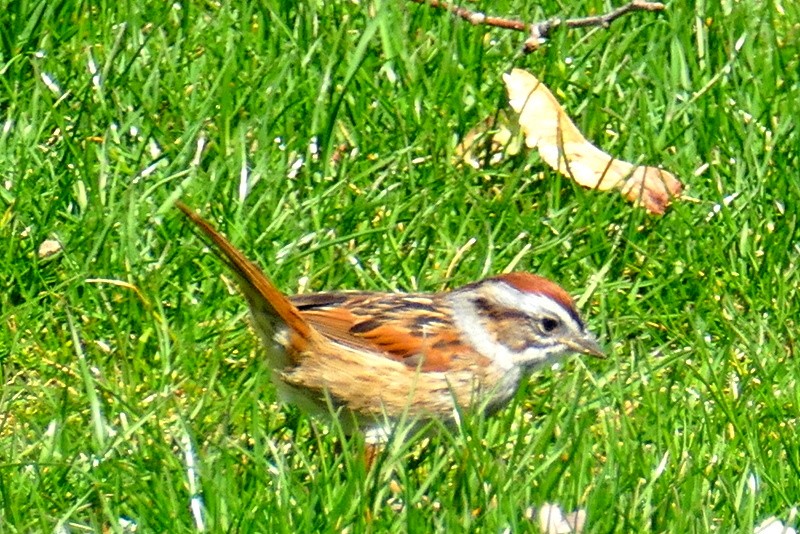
{"x": 406, "y": 328}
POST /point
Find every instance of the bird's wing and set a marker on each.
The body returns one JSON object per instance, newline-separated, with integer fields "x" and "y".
{"x": 412, "y": 329}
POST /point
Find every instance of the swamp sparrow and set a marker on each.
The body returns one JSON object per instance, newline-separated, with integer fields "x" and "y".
{"x": 374, "y": 358}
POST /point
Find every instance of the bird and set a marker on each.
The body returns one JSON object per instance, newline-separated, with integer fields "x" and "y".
{"x": 371, "y": 359}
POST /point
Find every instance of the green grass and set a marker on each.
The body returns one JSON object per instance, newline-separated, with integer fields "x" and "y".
{"x": 128, "y": 353}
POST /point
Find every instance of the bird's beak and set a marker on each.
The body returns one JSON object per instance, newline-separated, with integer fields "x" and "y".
{"x": 587, "y": 345}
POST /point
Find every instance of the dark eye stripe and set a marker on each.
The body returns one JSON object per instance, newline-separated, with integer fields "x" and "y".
{"x": 498, "y": 313}
{"x": 483, "y": 304}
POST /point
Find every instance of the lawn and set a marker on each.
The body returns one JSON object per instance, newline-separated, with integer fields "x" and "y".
{"x": 320, "y": 137}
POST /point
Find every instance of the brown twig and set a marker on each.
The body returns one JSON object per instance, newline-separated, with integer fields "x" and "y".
{"x": 541, "y": 30}
{"x": 474, "y": 17}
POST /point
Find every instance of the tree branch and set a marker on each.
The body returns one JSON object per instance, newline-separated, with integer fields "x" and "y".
{"x": 539, "y": 31}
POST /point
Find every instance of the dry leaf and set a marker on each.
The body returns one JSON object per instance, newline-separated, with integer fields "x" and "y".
{"x": 492, "y": 140}
{"x": 553, "y": 521}
{"x": 48, "y": 247}
{"x": 562, "y": 146}
{"x": 773, "y": 526}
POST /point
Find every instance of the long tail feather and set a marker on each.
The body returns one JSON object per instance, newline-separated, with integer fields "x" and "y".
{"x": 258, "y": 289}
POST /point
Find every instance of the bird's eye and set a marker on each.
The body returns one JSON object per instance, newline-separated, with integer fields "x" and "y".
{"x": 549, "y": 324}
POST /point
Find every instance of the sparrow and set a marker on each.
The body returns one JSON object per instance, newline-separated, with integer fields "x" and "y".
{"x": 374, "y": 358}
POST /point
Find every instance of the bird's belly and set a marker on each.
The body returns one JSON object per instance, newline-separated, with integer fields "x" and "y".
{"x": 369, "y": 398}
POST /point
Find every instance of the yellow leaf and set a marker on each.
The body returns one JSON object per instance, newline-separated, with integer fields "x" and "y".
{"x": 548, "y": 128}
{"x": 492, "y": 140}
